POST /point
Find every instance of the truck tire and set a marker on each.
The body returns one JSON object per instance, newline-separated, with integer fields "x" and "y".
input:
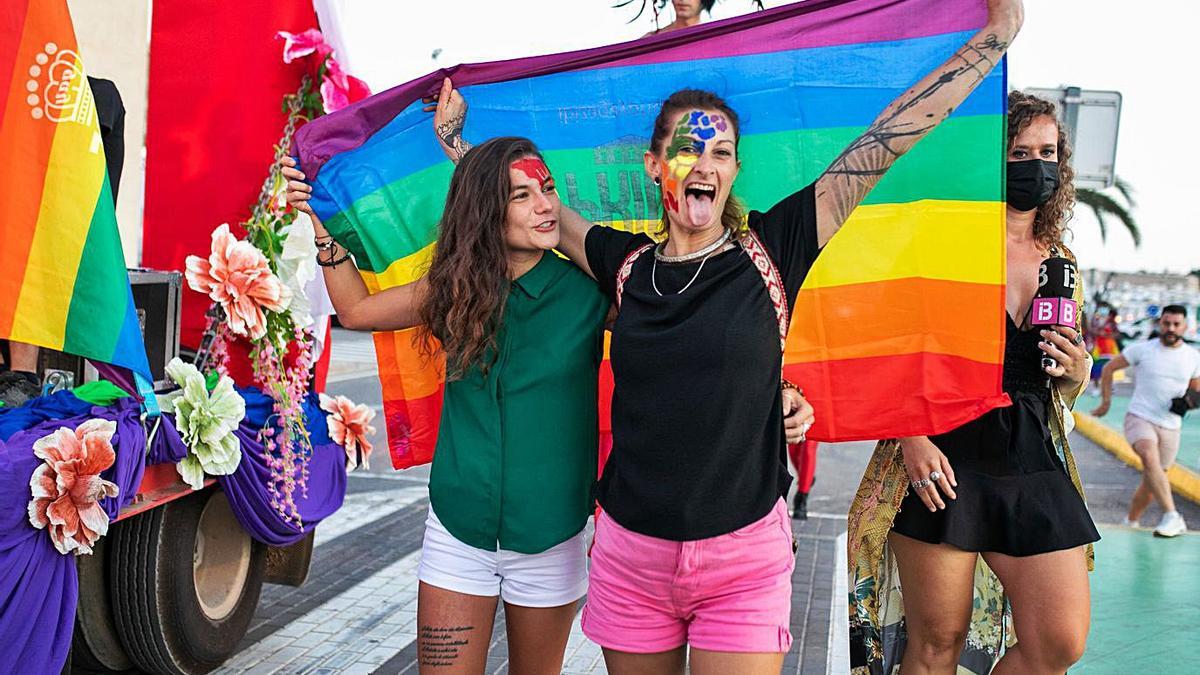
{"x": 95, "y": 646}
{"x": 187, "y": 579}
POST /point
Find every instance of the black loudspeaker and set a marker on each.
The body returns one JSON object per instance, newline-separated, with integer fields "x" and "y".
{"x": 156, "y": 295}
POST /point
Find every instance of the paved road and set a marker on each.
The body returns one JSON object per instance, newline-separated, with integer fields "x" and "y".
{"x": 357, "y": 612}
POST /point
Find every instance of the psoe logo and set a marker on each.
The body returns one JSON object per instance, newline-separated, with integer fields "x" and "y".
{"x": 58, "y": 89}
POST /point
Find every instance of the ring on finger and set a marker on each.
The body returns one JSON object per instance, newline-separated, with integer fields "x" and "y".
{"x": 935, "y": 476}
{"x": 1078, "y": 339}
{"x": 921, "y": 484}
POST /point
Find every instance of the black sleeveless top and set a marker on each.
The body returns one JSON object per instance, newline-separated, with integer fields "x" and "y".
{"x": 1014, "y": 494}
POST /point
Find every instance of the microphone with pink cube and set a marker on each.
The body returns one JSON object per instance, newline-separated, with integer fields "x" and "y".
{"x": 1054, "y": 304}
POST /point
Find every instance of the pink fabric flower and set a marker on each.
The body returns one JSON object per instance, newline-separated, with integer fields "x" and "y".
{"x": 349, "y": 427}
{"x": 296, "y": 45}
{"x": 237, "y": 275}
{"x": 67, "y": 487}
{"x": 340, "y": 88}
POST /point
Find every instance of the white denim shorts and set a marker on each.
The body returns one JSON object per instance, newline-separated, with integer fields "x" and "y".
{"x": 552, "y": 578}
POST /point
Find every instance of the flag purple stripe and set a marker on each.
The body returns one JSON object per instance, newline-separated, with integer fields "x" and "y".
{"x": 838, "y": 22}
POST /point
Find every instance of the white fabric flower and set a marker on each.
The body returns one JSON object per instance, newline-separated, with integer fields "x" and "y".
{"x": 206, "y": 422}
{"x": 298, "y": 266}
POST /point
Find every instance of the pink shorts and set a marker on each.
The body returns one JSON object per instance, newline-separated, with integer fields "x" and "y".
{"x": 731, "y": 593}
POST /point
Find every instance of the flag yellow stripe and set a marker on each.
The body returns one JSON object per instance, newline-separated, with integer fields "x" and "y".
{"x": 403, "y": 271}
{"x": 74, "y": 178}
{"x": 929, "y": 239}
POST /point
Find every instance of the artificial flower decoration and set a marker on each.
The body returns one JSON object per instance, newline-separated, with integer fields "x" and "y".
{"x": 67, "y": 487}
{"x": 206, "y": 422}
{"x": 349, "y": 427}
{"x": 338, "y": 88}
{"x": 236, "y": 275}
{"x": 297, "y": 45}
{"x": 297, "y": 265}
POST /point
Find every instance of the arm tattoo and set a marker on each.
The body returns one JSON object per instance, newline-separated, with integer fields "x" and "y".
{"x": 860, "y": 166}
{"x": 441, "y": 646}
{"x": 450, "y": 132}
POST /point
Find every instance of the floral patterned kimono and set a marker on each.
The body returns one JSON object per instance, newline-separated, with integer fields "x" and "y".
{"x": 877, "y": 633}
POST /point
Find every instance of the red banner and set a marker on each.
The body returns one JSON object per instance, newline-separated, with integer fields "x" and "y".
{"x": 217, "y": 80}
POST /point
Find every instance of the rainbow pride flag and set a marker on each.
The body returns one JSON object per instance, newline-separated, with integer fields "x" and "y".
{"x": 63, "y": 283}
{"x": 899, "y": 327}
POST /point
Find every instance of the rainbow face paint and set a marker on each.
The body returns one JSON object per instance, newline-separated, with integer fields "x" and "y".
{"x": 694, "y": 132}
{"x": 534, "y": 168}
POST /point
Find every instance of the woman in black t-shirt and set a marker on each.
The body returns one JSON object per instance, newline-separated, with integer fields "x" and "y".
{"x": 695, "y": 483}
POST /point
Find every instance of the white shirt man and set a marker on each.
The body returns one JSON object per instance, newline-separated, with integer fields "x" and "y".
{"x": 1166, "y": 369}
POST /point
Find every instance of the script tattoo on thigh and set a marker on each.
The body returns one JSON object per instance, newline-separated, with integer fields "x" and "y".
{"x": 860, "y": 166}
{"x": 441, "y": 645}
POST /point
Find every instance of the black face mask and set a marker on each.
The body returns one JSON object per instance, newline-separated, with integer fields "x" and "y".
{"x": 1031, "y": 183}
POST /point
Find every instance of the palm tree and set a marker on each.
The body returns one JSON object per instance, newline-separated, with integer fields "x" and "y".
{"x": 1103, "y": 204}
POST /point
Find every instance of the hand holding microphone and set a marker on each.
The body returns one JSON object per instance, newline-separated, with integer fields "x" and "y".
{"x": 1054, "y": 309}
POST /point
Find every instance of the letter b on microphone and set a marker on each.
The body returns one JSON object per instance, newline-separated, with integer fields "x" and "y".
{"x": 1053, "y": 312}
{"x": 1054, "y": 304}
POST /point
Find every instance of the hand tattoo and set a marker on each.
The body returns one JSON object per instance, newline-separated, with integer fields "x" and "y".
{"x": 450, "y": 133}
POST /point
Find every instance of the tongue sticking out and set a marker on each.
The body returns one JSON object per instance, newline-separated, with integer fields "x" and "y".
{"x": 699, "y": 210}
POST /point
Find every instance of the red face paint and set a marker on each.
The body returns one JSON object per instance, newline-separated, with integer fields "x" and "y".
{"x": 534, "y": 168}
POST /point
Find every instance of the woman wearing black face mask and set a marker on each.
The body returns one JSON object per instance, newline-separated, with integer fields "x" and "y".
{"x": 988, "y": 511}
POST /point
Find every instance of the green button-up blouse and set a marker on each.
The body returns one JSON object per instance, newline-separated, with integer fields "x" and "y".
{"x": 516, "y": 451}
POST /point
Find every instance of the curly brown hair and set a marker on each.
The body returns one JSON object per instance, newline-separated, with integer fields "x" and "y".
{"x": 1050, "y": 223}
{"x": 733, "y": 216}
{"x": 468, "y": 276}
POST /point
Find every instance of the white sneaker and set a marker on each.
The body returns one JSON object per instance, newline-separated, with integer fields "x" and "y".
{"x": 1171, "y": 525}
{"x": 1129, "y": 523}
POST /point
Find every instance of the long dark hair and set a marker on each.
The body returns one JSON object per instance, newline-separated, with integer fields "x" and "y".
{"x": 696, "y": 99}
{"x": 1050, "y": 223}
{"x": 468, "y": 277}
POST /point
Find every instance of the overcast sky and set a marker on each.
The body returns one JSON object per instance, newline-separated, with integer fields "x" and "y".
{"x": 1135, "y": 48}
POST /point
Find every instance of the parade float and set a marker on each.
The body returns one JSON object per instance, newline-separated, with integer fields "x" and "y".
{"x": 150, "y": 489}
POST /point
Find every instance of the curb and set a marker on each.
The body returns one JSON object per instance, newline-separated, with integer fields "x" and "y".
{"x": 1184, "y": 481}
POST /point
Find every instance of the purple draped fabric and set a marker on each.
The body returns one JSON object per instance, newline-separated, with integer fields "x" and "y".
{"x": 38, "y": 585}
{"x": 247, "y": 487}
{"x": 250, "y": 500}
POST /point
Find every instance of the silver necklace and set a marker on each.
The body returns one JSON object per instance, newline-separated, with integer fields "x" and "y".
{"x": 704, "y": 253}
{"x": 688, "y": 257}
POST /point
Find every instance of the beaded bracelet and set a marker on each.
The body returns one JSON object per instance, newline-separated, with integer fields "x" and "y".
{"x": 784, "y": 384}
{"x": 331, "y": 260}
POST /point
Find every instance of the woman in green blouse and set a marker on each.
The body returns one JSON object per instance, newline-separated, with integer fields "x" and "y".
{"x": 510, "y": 485}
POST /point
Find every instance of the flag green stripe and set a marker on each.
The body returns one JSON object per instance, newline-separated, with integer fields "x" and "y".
{"x": 609, "y": 183}
{"x": 99, "y": 299}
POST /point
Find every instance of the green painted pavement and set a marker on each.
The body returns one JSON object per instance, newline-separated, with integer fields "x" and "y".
{"x": 1145, "y": 604}
{"x": 1189, "y": 446}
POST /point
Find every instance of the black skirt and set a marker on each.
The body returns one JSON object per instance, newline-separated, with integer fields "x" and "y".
{"x": 1014, "y": 494}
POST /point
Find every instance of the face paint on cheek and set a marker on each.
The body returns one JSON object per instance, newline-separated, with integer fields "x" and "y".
{"x": 674, "y": 171}
{"x": 678, "y": 165}
{"x": 533, "y": 168}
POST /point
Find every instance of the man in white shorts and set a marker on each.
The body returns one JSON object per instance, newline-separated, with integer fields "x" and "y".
{"x": 1166, "y": 369}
